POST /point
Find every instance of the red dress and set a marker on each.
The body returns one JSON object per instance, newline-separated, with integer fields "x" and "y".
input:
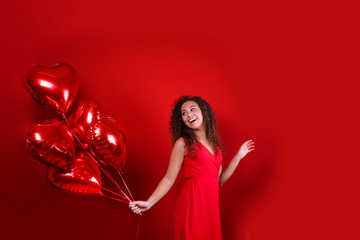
{"x": 197, "y": 214}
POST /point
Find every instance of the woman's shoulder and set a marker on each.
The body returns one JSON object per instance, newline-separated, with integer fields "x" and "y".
{"x": 180, "y": 143}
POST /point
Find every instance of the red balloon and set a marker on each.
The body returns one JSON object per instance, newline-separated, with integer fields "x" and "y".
{"x": 86, "y": 113}
{"x": 84, "y": 176}
{"x": 108, "y": 141}
{"x": 52, "y": 143}
{"x": 55, "y": 87}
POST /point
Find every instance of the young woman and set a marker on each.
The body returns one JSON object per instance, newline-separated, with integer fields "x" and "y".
{"x": 198, "y": 149}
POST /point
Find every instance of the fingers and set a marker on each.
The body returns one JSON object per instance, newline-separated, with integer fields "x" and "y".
{"x": 134, "y": 203}
{"x": 249, "y": 142}
{"x": 137, "y": 210}
{"x": 250, "y": 145}
{"x": 136, "y": 207}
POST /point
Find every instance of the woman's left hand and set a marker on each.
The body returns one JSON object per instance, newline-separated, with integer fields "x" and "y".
{"x": 245, "y": 148}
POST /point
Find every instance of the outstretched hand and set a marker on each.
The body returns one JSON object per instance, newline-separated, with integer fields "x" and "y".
{"x": 139, "y": 206}
{"x": 245, "y": 148}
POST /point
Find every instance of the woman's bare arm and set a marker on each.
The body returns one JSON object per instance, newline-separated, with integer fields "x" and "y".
{"x": 176, "y": 160}
{"x": 225, "y": 174}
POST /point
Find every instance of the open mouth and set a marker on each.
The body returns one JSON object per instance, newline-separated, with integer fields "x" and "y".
{"x": 192, "y": 120}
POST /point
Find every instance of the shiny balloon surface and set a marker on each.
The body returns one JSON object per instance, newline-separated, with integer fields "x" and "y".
{"x": 83, "y": 177}
{"x": 87, "y": 112}
{"x": 108, "y": 141}
{"x": 52, "y": 143}
{"x": 55, "y": 87}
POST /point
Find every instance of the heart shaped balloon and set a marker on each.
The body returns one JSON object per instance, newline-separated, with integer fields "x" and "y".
{"x": 51, "y": 143}
{"x": 108, "y": 141}
{"x": 55, "y": 87}
{"x": 84, "y": 176}
{"x": 86, "y": 113}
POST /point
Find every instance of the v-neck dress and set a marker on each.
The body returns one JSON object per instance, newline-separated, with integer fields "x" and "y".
{"x": 197, "y": 214}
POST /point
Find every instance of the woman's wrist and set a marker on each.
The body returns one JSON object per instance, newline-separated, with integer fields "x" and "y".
{"x": 238, "y": 156}
{"x": 151, "y": 203}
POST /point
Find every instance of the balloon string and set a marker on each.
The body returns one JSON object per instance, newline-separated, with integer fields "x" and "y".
{"x": 102, "y": 168}
{"x": 113, "y": 180}
{"x": 110, "y": 177}
{"x": 120, "y": 174}
{"x": 113, "y": 193}
{"x": 75, "y": 136}
{"x": 119, "y": 200}
{"x": 138, "y": 229}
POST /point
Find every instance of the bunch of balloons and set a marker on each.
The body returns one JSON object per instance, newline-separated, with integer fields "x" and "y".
{"x": 78, "y": 148}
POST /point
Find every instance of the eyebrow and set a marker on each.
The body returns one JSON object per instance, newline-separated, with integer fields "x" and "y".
{"x": 188, "y": 107}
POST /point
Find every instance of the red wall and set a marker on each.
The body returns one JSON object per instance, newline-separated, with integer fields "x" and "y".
{"x": 282, "y": 73}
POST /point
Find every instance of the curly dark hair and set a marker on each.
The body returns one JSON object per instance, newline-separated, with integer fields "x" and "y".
{"x": 179, "y": 129}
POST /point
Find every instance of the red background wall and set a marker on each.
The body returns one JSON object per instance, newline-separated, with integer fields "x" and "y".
{"x": 282, "y": 73}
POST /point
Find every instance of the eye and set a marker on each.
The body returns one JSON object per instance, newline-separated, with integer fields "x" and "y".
{"x": 193, "y": 109}
{"x": 183, "y": 113}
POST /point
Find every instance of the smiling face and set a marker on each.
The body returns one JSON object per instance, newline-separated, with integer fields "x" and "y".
{"x": 192, "y": 115}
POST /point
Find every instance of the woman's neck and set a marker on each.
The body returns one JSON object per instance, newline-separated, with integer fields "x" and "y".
{"x": 200, "y": 134}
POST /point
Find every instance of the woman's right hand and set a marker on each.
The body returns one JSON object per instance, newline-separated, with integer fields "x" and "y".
{"x": 139, "y": 206}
